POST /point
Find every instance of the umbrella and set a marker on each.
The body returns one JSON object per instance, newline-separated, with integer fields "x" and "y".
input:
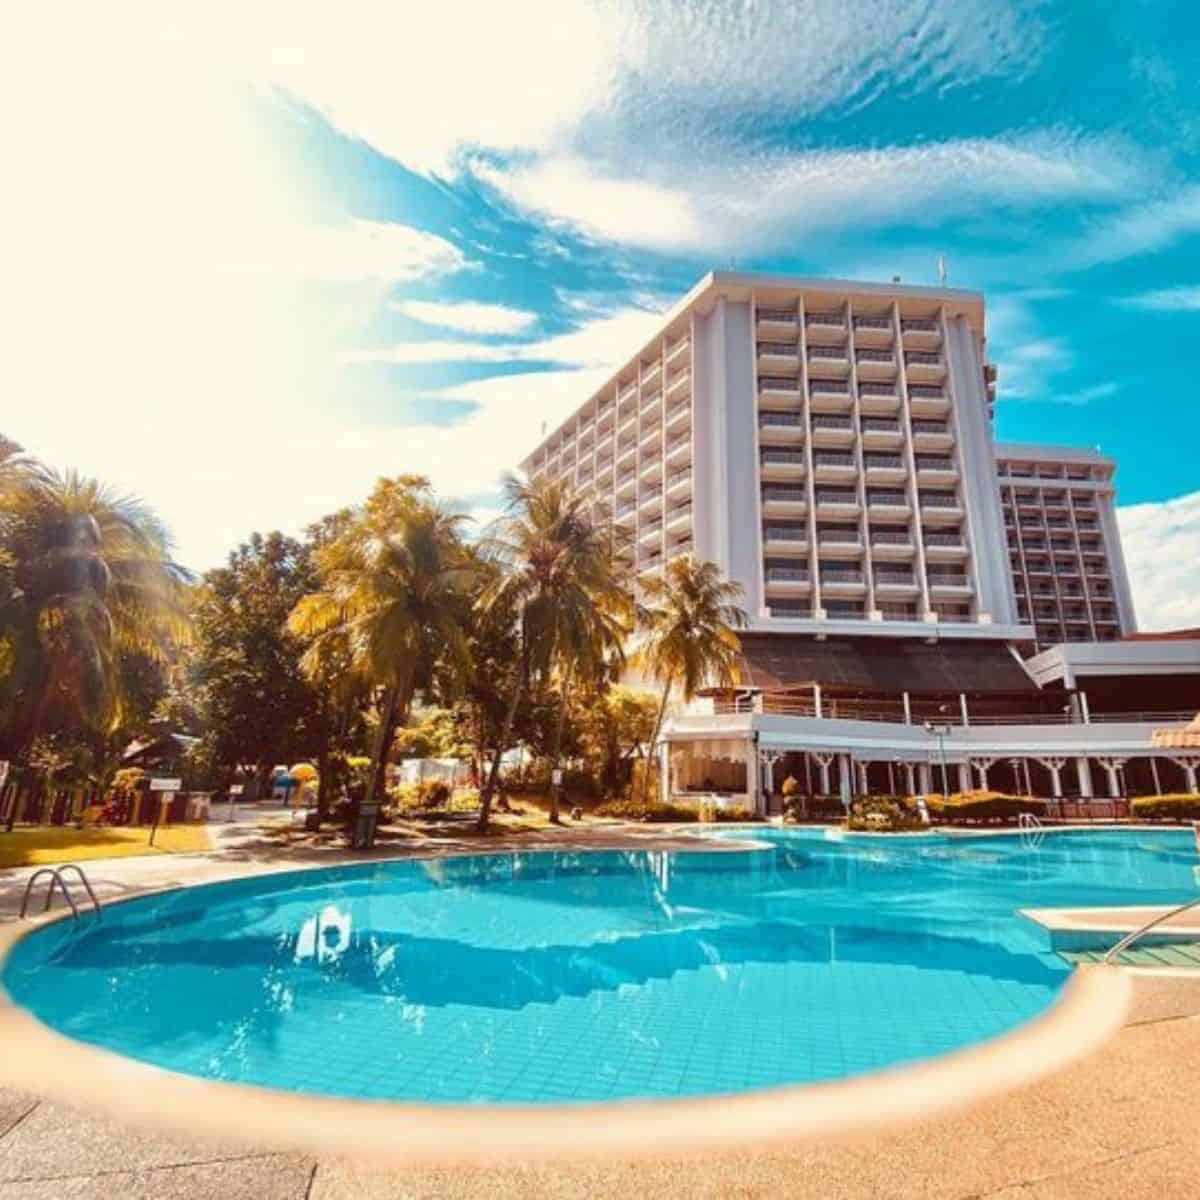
{"x": 303, "y": 772}
{"x": 1187, "y": 738}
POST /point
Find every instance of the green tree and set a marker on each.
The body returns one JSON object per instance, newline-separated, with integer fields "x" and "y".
{"x": 613, "y": 723}
{"x": 558, "y": 579}
{"x": 91, "y": 585}
{"x": 392, "y": 599}
{"x": 688, "y": 625}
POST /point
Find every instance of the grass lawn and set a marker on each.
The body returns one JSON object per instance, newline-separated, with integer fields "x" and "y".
{"x": 30, "y": 846}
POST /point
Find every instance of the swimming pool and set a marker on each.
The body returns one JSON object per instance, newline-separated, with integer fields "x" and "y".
{"x": 553, "y": 976}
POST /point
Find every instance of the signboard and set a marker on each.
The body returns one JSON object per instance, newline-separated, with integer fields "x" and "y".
{"x": 236, "y": 789}
{"x": 556, "y": 777}
{"x": 166, "y": 785}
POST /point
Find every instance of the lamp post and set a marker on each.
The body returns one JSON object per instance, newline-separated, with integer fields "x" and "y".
{"x": 940, "y": 731}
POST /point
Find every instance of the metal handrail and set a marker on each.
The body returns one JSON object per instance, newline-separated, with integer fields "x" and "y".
{"x": 1129, "y": 939}
{"x": 56, "y": 876}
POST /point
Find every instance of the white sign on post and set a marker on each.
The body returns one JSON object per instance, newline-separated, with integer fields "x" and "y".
{"x": 236, "y": 789}
{"x": 166, "y": 785}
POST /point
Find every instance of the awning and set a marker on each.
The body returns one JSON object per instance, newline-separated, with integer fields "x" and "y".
{"x": 1187, "y": 738}
{"x": 772, "y": 661}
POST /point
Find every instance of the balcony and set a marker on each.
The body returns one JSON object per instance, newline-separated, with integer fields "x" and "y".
{"x": 786, "y": 538}
{"x": 875, "y": 364}
{"x": 627, "y": 423}
{"x": 650, "y": 469}
{"x": 940, "y": 507}
{"x": 832, "y": 431}
{"x": 873, "y": 330}
{"x": 921, "y": 331}
{"x": 935, "y": 470}
{"x": 884, "y": 468}
{"x": 650, "y": 445}
{"x": 829, "y": 395}
{"x": 626, "y": 481}
{"x": 928, "y": 401}
{"x": 677, "y": 351}
{"x": 650, "y": 374}
{"x": 878, "y": 398}
{"x": 782, "y": 464}
{"x": 949, "y": 584}
{"x": 841, "y": 581}
{"x": 778, "y": 357}
{"x": 840, "y": 541}
{"x": 778, "y": 323}
{"x": 825, "y": 326}
{"x": 778, "y": 391}
{"x": 679, "y": 383}
{"x": 626, "y": 512}
{"x": 783, "y": 501}
{"x": 780, "y": 427}
{"x": 627, "y": 392}
{"x": 679, "y": 450}
{"x": 892, "y": 543}
{"x": 679, "y": 482}
{"x": 932, "y": 435}
{"x": 884, "y": 502}
{"x": 604, "y": 421}
{"x": 881, "y": 433}
{"x": 650, "y": 531}
{"x": 788, "y": 581}
{"x": 679, "y": 549}
{"x": 650, "y": 501}
{"x": 944, "y": 546}
{"x": 895, "y": 583}
{"x": 833, "y": 467}
{"x": 830, "y": 359}
{"x": 924, "y": 365}
{"x": 678, "y": 416}
{"x": 652, "y": 412}
{"x": 837, "y": 502}
{"x": 679, "y": 518}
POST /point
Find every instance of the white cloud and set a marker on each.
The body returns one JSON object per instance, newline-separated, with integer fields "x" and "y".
{"x": 1162, "y": 547}
{"x": 604, "y": 341}
{"x": 1140, "y": 229}
{"x": 468, "y": 316}
{"x": 1174, "y": 299}
{"x": 731, "y": 199}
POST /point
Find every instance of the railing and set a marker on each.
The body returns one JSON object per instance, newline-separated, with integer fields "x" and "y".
{"x": 835, "y": 387}
{"x": 875, "y": 356}
{"x": 783, "y": 457}
{"x": 778, "y": 419}
{"x": 935, "y": 501}
{"x": 838, "y": 537}
{"x": 678, "y": 477}
{"x": 873, "y": 323}
{"x": 829, "y": 352}
{"x": 788, "y": 495}
{"x": 878, "y": 389}
{"x": 894, "y": 577}
{"x": 891, "y": 499}
{"x": 886, "y": 537}
{"x": 938, "y": 427}
{"x": 827, "y": 497}
{"x": 823, "y": 459}
{"x": 828, "y": 422}
{"x": 944, "y": 539}
{"x": 889, "y": 462}
{"x": 842, "y": 577}
{"x": 920, "y": 392}
{"x": 923, "y": 358}
{"x": 925, "y": 463}
{"x": 787, "y": 575}
{"x": 918, "y": 325}
{"x": 832, "y": 319}
{"x": 782, "y": 383}
{"x": 776, "y": 314}
{"x": 786, "y": 348}
{"x": 879, "y": 424}
{"x": 56, "y": 877}
{"x": 1130, "y": 938}
{"x": 786, "y": 533}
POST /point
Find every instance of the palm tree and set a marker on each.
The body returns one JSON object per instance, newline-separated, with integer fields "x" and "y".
{"x": 93, "y": 585}
{"x": 392, "y": 601}
{"x": 688, "y": 625}
{"x": 559, "y": 577}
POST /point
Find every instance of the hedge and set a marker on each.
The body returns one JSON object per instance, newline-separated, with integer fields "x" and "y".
{"x": 1177, "y": 806}
{"x": 982, "y": 806}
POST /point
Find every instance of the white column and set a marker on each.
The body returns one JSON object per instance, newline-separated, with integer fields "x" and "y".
{"x": 1085, "y": 777}
{"x": 844, "y": 779}
{"x": 817, "y": 707}
{"x": 962, "y": 707}
{"x": 1054, "y": 766}
{"x": 823, "y": 761}
{"x": 753, "y": 789}
{"x": 1189, "y": 769}
{"x": 910, "y": 782}
{"x": 907, "y": 708}
{"x": 964, "y": 777}
{"x": 1111, "y": 767}
{"x": 864, "y": 784}
{"x": 664, "y": 772}
{"x": 982, "y": 766}
{"x": 926, "y": 777}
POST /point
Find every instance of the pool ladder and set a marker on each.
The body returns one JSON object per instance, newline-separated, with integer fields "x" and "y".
{"x": 1136, "y": 936}
{"x": 1033, "y": 832}
{"x": 56, "y": 877}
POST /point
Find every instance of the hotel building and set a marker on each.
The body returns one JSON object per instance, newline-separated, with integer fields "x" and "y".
{"x": 829, "y": 445}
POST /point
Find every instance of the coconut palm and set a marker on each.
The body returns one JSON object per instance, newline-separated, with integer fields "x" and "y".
{"x": 93, "y": 586}
{"x": 688, "y": 624}
{"x": 559, "y": 576}
{"x": 392, "y": 601}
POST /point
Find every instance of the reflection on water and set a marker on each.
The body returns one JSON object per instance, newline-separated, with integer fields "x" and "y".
{"x": 552, "y": 976}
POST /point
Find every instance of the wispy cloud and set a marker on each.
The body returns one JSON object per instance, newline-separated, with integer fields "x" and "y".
{"x": 740, "y": 199}
{"x": 603, "y": 341}
{"x": 1139, "y": 229}
{"x": 1162, "y": 546}
{"x": 468, "y": 316}
{"x": 1172, "y": 299}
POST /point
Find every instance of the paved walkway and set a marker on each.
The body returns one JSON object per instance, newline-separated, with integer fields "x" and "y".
{"x": 1123, "y": 1124}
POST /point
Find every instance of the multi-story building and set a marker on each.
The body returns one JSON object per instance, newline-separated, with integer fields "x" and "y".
{"x": 1068, "y": 569}
{"x": 829, "y": 446}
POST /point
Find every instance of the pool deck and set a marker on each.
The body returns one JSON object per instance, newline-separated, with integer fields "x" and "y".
{"x": 1122, "y": 1122}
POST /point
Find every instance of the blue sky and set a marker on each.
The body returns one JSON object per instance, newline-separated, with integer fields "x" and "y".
{"x": 264, "y": 256}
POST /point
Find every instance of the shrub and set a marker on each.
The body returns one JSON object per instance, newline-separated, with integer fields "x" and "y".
{"x": 791, "y": 787}
{"x": 1176, "y": 806}
{"x": 735, "y": 812}
{"x": 632, "y": 809}
{"x": 463, "y": 800}
{"x": 884, "y": 814}
{"x": 982, "y": 806}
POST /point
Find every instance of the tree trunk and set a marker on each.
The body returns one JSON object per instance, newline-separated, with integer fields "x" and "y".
{"x": 658, "y": 720}
{"x": 556, "y": 747}
{"x": 35, "y": 729}
{"x": 324, "y": 785}
{"x": 383, "y": 744}
{"x": 510, "y": 718}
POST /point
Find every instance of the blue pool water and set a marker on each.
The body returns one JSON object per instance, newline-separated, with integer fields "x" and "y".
{"x": 559, "y": 976}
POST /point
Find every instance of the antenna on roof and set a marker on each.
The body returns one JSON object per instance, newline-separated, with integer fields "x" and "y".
{"x": 942, "y": 270}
